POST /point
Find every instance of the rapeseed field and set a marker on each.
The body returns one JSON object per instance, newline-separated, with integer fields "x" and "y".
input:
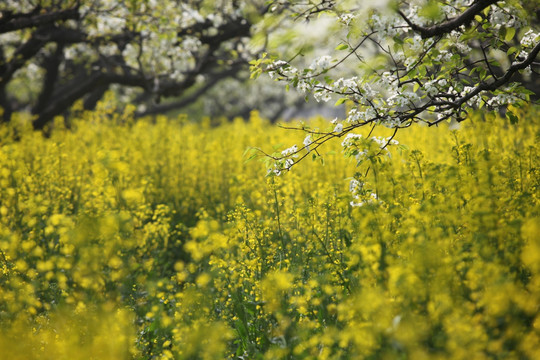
{"x": 157, "y": 239}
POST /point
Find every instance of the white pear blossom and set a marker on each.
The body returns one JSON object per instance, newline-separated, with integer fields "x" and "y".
{"x": 308, "y": 142}
{"x": 288, "y": 163}
{"x": 350, "y": 139}
{"x": 530, "y": 38}
{"x": 323, "y": 94}
{"x": 290, "y": 151}
{"x": 346, "y": 18}
{"x": 355, "y": 186}
{"x": 358, "y": 203}
{"x": 339, "y": 128}
{"x": 321, "y": 63}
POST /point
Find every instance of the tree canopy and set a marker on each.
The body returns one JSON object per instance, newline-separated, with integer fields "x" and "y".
{"x": 53, "y": 53}
{"x": 394, "y": 62}
{"x": 403, "y": 62}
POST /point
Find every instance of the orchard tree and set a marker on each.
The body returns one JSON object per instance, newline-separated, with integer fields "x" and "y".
{"x": 53, "y": 53}
{"x": 403, "y": 62}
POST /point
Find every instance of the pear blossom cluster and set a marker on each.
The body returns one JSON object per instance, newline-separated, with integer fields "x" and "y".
{"x": 360, "y": 195}
{"x": 530, "y": 38}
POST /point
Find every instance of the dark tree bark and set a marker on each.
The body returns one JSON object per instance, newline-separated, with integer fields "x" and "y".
{"x": 12, "y": 22}
{"x": 464, "y": 18}
{"x": 50, "y": 65}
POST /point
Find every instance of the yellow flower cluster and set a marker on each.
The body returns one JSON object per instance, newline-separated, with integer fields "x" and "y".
{"x": 156, "y": 239}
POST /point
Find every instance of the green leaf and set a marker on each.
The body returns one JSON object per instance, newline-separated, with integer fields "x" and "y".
{"x": 253, "y": 156}
{"x": 502, "y": 32}
{"x": 398, "y": 40}
{"x": 340, "y": 101}
{"x": 512, "y": 117}
{"x": 342, "y": 47}
{"x": 510, "y": 32}
{"x": 482, "y": 73}
{"x": 242, "y": 330}
{"x": 403, "y": 147}
{"x": 512, "y": 50}
{"x": 431, "y": 10}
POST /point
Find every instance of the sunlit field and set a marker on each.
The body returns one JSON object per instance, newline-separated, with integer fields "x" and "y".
{"x": 157, "y": 239}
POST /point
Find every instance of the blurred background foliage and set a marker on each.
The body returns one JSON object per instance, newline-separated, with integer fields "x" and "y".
{"x": 162, "y": 56}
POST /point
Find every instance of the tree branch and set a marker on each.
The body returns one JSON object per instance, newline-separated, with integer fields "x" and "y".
{"x": 20, "y": 22}
{"x": 158, "y": 109}
{"x": 80, "y": 88}
{"x": 25, "y": 52}
{"x": 446, "y": 27}
{"x": 51, "y": 65}
{"x": 516, "y": 66}
{"x": 229, "y": 30}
